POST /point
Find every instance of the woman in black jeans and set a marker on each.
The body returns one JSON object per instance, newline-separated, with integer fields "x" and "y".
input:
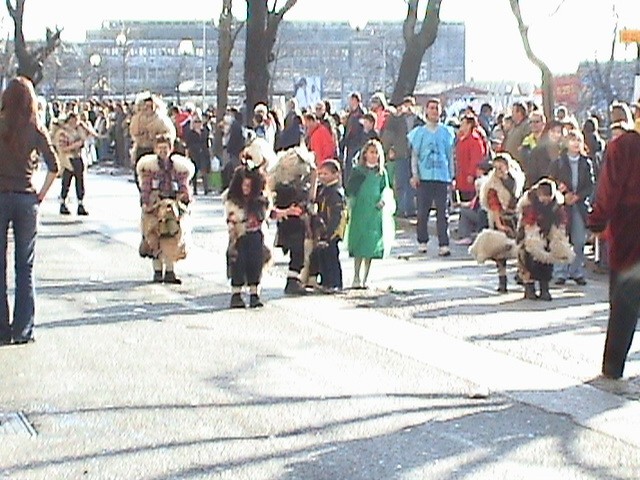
{"x": 20, "y": 135}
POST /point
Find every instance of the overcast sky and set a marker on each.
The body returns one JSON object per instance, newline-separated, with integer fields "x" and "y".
{"x": 580, "y": 30}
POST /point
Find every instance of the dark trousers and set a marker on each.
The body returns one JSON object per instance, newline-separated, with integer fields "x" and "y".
{"x": 139, "y": 153}
{"x": 291, "y": 233}
{"x": 624, "y": 306}
{"x": 78, "y": 174}
{"x": 247, "y": 268}
{"x": 433, "y": 192}
{"x": 296, "y": 253}
{"x": 327, "y": 263}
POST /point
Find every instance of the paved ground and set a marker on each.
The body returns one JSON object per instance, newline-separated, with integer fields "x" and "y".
{"x": 429, "y": 374}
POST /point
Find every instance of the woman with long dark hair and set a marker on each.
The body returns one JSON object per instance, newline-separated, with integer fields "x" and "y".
{"x": 20, "y": 135}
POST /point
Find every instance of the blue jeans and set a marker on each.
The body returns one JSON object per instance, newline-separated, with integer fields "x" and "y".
{"x": 20, "y": 210}
{"x": 433, "y": 192}
{"x": 578, "y": 236}
{"x": 405, "y": 193}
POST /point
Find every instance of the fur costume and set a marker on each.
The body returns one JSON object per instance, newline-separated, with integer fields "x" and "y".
{"x": 259, "y": 153}
{"x": 292, "y": 180}
{"x": 293, "y": 168}
{"x": 146, "y": 126}
{"x": 493, "y": 245}
{"x": 236, "y": 227}
{"x": 553, "y": 248}
{"x": 504, "y": 195}
{"x": 165, "y": 221}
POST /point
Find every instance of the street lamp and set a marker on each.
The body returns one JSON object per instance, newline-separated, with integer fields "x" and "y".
{"x": 96, "y": 60}
{"x": 122, "y": 42}
{"x": 185, "y": 48}
{"x": 357, "y": 22}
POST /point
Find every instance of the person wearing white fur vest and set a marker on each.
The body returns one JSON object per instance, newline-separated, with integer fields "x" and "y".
{"x": 498, "y": 197}
{"x": 164, "y": 181}
{"x": 542, "y": 241}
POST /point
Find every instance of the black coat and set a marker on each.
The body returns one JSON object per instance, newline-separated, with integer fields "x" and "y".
{"x": 560, "y": 171}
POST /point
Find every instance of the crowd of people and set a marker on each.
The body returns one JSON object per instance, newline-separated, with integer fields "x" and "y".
{"x": 524, "y": 185}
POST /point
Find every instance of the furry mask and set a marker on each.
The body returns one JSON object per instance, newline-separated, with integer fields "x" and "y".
{"x": 168, "y": 213}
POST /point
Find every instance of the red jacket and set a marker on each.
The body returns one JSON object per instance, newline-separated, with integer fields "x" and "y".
{"x": 470, "y": 150}
{"x": 321, "y": 143}
{"x": 618, "y": 201}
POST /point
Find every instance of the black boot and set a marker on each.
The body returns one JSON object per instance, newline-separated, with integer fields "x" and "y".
{"x": 294, "y": 287}
{"x": 170, "y": 277}
{"x": 64, "y": 210}
{"x": 236, "y": 301}
{"x": 544, "y": 291}
{"x": 254, "y": 301}
{"x": 502, "y": 284}
{"x": 157, "y": 276}
{"x": 82, "y": 211}
{"x": 530, "y": 291}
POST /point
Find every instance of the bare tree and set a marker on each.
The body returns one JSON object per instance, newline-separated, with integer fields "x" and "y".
{"x": 228, "y": 31}
{"x": 263, "y": 21}
{"x": 548, "y": 94}
{"x": 603, "y": 75}
{"x": 30, "y": 61}
{"x": 416, "y": 44}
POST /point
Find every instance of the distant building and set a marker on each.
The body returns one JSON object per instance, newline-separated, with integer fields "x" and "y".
{"x": 336, "y": 59}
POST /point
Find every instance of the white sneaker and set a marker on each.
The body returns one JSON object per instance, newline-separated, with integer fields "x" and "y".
{"x": 444, "y": 251}
{"x": 464, "y": 241}
{"x": 422, "y": 248}
{"x": 356, "y": 284}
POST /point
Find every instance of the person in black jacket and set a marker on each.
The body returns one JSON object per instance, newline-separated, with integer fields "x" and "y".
{"x": 573, "y": 172}
{"x": 329, "y": 227}
{"x": 197, "y": 137}
{"x": 234, "y": 143}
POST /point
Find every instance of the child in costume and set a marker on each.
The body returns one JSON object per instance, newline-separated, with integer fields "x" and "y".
{"x": 246, "y": 207}
{"x": 164, "y": 178}
{"x": 542, "y": 241}
{"x": 498, "y": 197}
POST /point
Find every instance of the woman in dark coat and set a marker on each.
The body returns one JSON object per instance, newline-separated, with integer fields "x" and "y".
{"x": 573, "y": 172}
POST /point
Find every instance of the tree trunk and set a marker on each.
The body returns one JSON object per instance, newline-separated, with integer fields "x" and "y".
{"x": 30, "y": 63}
{"x": 262, "y": 30}
{"x": 548, "y": 93}
{"x": 416, "y": 44}
{"x": 226, "y": 39}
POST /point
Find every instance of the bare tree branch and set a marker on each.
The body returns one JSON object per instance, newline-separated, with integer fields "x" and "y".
{"x": 410, "y": 21}
{"x": 30, "y": 64}
{"x": 557, "y": 8}
{"x": 285, "y": 8}
{"x": 547, "y": 76}
{"x": 431, "y": 20}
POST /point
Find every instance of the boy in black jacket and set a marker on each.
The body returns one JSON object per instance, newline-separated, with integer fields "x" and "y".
{"x": 329, "y": 226}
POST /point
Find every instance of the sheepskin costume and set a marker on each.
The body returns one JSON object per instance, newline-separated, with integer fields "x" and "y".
{"x": 504, "y": 195}
{"x": 259, "y": 153}
{"x": 491, "y": 243}
{"x": 553, "y": 248}
{"x": 294, "y": 167}
{"x": 292, "y": 180}
{"x": 165, "y": 229}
